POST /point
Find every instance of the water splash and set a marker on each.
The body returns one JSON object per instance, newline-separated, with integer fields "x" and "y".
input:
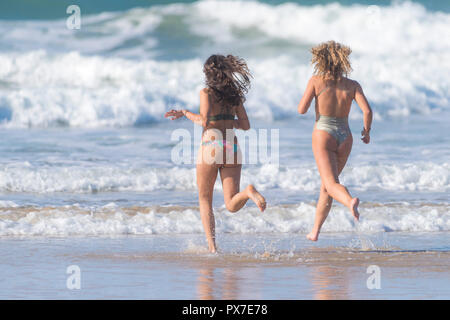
{"x": 365, "y": 243}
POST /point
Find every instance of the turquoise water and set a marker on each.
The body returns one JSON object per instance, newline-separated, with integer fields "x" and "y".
{"x": 86, "y": 155}
{"x": 54, "y": 9}
{"x": 82, "y": 113}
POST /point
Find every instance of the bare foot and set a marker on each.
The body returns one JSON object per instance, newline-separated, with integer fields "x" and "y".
{"x": 313, "y": 236}
{"x": 354, "y": 208}
{"x": 256, "y": 197}
{"x": 212, "y": 246}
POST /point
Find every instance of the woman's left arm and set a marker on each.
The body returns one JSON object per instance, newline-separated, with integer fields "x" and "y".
{"x": 307, "y": 98}
{"x": 242, "y": 119}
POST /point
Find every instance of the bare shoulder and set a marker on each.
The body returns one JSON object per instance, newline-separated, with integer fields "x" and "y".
{"x": 316, "y": 82}
{"x": 204, "y": 92}
{"x": 315, "y": 79}
{"x": 239, "y": 107}
{"x": 353, "y": 84}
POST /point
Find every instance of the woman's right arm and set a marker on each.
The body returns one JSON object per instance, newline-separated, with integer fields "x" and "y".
{"x": 201, "y": 118}
{"x": 362, "y": 102}
{"x": 307, "y": 97}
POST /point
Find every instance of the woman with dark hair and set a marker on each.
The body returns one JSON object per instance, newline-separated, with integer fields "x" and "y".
{"x": 331, "y": 139}
{"x": 221, "y": 111}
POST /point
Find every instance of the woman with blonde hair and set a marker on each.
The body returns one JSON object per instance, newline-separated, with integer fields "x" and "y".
{"x": 221, "y": 111}
{"x": 331, "y": 138}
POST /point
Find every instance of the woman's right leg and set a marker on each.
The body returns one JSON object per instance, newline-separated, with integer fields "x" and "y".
{"x": 322, "y": 209}
{"x": 206, "y": 178}
{"x": 327, "y": 155}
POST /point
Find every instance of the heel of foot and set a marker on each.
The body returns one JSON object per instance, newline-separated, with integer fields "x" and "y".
{"x": 256, "y": 197}
{"x": 354, "y": 208}
{"x": 312, "y": 236}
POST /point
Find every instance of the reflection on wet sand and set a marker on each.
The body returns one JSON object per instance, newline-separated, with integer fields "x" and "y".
{"x": 329, "y": 283}
{"x": 205, "y": 284}
{"x": 213, "y": 284}
{"x": 230, "y": 283}
{"x": 227, "y": 283}
{"x": 313, "y": 273}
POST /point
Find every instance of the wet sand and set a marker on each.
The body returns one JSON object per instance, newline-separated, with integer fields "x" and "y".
{"x": 248, "y": 267}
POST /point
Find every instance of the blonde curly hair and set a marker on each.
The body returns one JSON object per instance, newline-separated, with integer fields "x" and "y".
{"x": 331, "y": 60}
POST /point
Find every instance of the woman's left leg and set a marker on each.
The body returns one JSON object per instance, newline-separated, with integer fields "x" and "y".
{"x": 235, "y": 200}
{"x": 325, "y": 200}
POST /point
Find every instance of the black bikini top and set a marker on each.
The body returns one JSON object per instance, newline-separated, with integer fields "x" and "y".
{"x": 221, "y": 116}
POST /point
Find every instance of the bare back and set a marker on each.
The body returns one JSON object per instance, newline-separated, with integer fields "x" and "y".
{"x": 334, "y": 98}
{"x": 217, "y": 116}
{"x": 216, "y": 109}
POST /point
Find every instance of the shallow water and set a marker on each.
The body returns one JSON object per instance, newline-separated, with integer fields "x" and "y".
{"x": 248, "y": 267}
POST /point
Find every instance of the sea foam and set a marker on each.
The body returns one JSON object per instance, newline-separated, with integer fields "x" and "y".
{"x": 114, "y": 220}
{"x": 423, "y": 177}
{"x": 113, "y": 75}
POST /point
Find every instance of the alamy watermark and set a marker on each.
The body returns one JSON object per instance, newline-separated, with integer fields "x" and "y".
{"x": 73, "y": 282}
{"x": 253, "y": 146}
{"x": 73, "y": 22}
{"x": 374, "y": 280}
{"x": 373, "y": 19}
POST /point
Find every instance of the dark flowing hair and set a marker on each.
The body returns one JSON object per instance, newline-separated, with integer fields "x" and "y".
{"x": 228, "y": 78}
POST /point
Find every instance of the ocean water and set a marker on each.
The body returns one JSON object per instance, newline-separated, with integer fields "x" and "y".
{"x": 85, "y": 152}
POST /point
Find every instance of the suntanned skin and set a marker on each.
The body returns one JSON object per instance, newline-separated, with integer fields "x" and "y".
{"x": 334, "y": 101}
{"x": 230, "y": 173}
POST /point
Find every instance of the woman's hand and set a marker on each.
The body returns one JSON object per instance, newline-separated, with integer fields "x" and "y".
{"x": 175, "y": 114}
{"x": 365, "y": 136}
